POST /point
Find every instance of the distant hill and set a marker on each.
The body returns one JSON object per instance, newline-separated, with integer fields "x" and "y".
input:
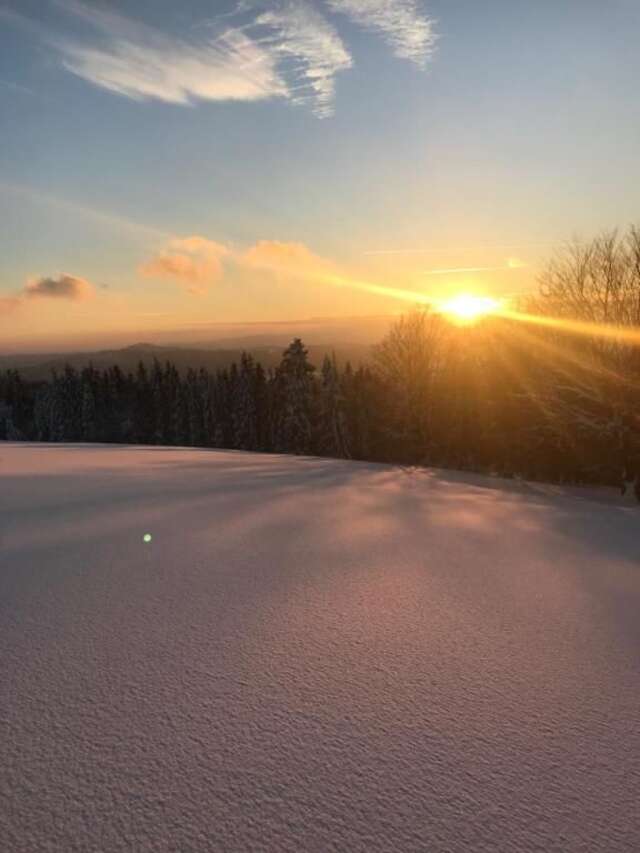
{"x": 39, "y": 366}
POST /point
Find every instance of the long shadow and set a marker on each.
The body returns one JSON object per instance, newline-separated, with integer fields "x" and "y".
{"x": 600, "y": 525}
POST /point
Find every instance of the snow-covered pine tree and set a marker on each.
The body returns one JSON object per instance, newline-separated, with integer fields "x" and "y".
{"x": 143, "y": 419}
{"x": 332, "y": 437}
{"x": 244, "y": 412}
{"x": 160, "y": 413}
{"x": 261, "y": 393}
{"x": 171, "y": 393}
{"x": 88, "y": 406}
{"x": 194, "y": 409}
{"x": 8, "y": 429}
{"x": 54, "y": 415}
{"x": 294, "y": 383}
{"x": 219, "y": 414}
{"x": 70, "y": 405}
{"x": 41, "y": 409}
{"x": 114, "y": 401}
{"x": 208, "y": 407}
{"x": 16, "y": 396}
{"x": 180, "y": 415}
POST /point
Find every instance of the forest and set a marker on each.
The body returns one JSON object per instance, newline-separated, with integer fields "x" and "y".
{"x": 547, "y": 392}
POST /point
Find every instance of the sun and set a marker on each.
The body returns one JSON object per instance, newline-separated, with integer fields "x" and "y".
{"x": 466, "y": 308}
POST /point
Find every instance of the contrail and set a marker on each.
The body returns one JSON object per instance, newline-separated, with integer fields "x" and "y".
{"x": 462, "y": 270}
{"x": 477, "y": 248}
{"x": 113, "y": 220}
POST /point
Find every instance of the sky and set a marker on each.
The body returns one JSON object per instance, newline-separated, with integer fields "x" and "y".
{"x": 164, "y": 166}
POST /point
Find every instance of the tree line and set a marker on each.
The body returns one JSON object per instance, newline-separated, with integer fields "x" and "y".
{"x": 511, "y": 395}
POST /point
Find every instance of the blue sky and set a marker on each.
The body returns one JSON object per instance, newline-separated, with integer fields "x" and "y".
{"x": 246, "y": 161}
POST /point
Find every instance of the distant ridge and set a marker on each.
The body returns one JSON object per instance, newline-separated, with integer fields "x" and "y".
{"x": 37, "y": 367}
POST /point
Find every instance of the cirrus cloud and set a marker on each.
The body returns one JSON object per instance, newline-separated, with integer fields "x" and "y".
{"x": 230, "y": 67}
{"x": 264, "y": 49}
{"x": 402, "y": 23}
{"x": 296, "y": 31}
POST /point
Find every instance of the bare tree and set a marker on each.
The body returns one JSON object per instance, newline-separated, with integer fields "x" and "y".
{"x": 596, "y": 282}
{"x": 409, "y": 360}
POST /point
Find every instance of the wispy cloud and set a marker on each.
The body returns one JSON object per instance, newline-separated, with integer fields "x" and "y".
{"x": 141, "y": 62}
{"x": 510, "y": 264}
{"x": 262, "y": 49}
{"x": 67, "y": 206}
{"x": 457, "y": 270}
{"x": 295, "y": 31}
{"x": 452, "y": 249}
{"x": 290, "y": 51}
{"x": 403, "y": 23}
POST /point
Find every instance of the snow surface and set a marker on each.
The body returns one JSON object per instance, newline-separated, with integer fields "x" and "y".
{"x": 311, "y": 655}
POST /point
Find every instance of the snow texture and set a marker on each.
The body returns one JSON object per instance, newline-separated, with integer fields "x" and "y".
{"x": 311, "y": 655}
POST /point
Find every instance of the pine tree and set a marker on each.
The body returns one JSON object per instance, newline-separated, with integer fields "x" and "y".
{"x": 88, "y": 405}
{"x": 261, "y": 392}
{"x": 244, "y": 406}
{"x": 180, "y": 416}
{"x": 207, "y": 408}
{"x": 143, "y": 412}
{"x": 294, "y": 397}
{"x": 332, "y": 425}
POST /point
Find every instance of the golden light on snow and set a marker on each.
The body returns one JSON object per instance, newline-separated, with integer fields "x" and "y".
{"x": 465, "y": 307}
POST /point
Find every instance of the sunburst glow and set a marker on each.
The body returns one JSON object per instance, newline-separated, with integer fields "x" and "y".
{"x": 465, "y": 307}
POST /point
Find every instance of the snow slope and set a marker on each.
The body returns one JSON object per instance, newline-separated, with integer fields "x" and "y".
{"x": 311, "y": 655}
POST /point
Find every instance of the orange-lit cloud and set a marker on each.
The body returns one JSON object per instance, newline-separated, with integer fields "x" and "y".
{"x": 286, "y": 257}
{"x": 194, "y": 261}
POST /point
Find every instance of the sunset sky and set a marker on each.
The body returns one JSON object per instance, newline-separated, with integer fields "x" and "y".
{"x": 170, "y": 164}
